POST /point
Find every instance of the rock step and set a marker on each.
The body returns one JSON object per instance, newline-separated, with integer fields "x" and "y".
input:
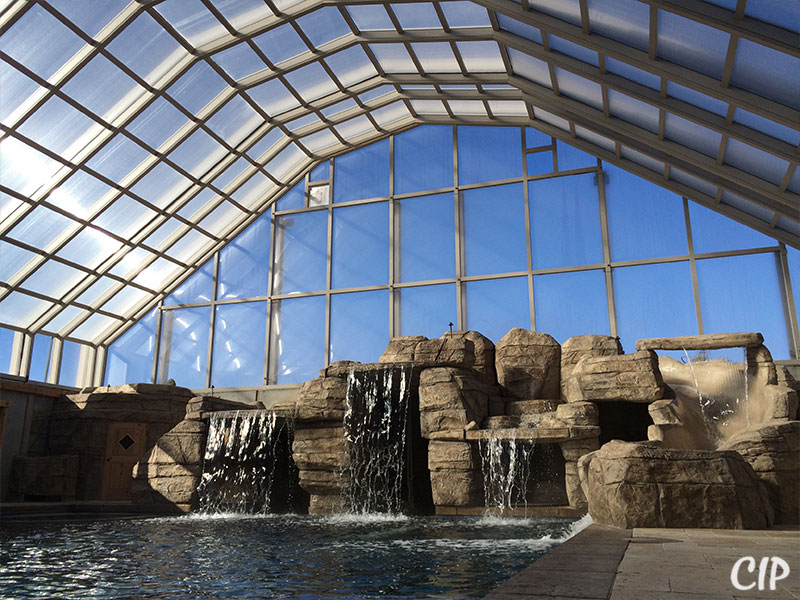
{"x": 527, "y": 407}
{"x": 537, "y": 419}
{"x": 501, "y": 422}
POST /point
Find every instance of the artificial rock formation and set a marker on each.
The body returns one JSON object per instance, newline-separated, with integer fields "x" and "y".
{"x": 451, "y": 399}
{"x": 643, "y": 485}
{"x": 456, "y": 478}
{"x": 528, "y": 365}
{"x": 629, "y": 377}
{"x": 577, "y": 348}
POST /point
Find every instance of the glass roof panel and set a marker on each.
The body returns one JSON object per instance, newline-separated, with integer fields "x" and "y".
{"x": 166, "y": 230}
{"x": 273, "y": 97}
{"x": 189, "y": 245}
{"x": 436, "y": 57}
{"x": 109, "y": 99}
{"x": 377, "y": 92}
{"x": 197, "y": 87}
{"x": 161, "y": 185}
{"x": 623, "y": 69}
{"x": 281, "y": 43}
{"x": 272, "y": 137}
{"x": 339, "y": 107}
{"x": 467, "y": 107}
{"x": 351, "y": 66}
{"x": 249, "y": 195}
{"x": 93, "y": 292}
{"x": 647, "y": 162}
{"x": 24, "y": 169}
{"x": 429, "y": 107}
{"x": 22, "y": 310}
{"x": 627, "y": 21}
{"x": 92, "y": 327}
{"x": 763, "y": 71}
{"x": 759, "y": 123}
{"x": 118, "y": 158}
{"x": 693, "y": 182}
{"x": 417, "y": 15}
{"x": 481, "y": 57}
{"x": 241, "y": 13}
{"x": 157, "y": 123}
{"x": 324, "y": 25}
{"x": 199, "y": 202}
{"x": 57, "y": 323}
{"x": 523, "y": 30}
{"x": 14, "y": 258}
{"x": 53, "y": 279}
{"x": 579, "y": 88}
{"x": 594, "y": 138}
{"x": 508, "y": 108}
{"x": 393, "y": 58}
{"x": 240, "y": 61}
{"x": 220, "y": 219}
{"x": 465, "y": 14}
{"x": 311, "y": 82}
{"x": 692, "y": 135}
{"x": 161, "y": 272}
{"x": 633, "y": 110}
{"x": 354, "y": 128}
{"x": 792, "y": 227}
{"x": 286, "y": 161}
{"x": 566, "y": 10}
{"x": 794, "y": 182}
{"x": 782, "y": 14}
{"x": 79, "y": 194}
{"x": 124, "y": 300}
{"x": 90, "y": 248}
{"x": 59, "y": 127}
{"x": 131, "y": 262}
{"x": 296, "y": 124}
{"x": 8, "y": 204}
{"x": 192, "y": 20}
{"x": 235, "y": 120}
{"x": 125, "y": 217}
{"x": 370, "y": 17}
{"x": 752, "y": 160}
{"x": 91, "y": 17}
{"x": 40, "y": 227}
{"x": 16, "y": 91}
{"x": 696, "y": 98}
{"x": 55, "y": 43}
{"x": 746, "y": 206}
{"x": 692, "y": 44}
{"x": 147, "y": 49}
{"x": 317, "y": 142}
{"x": 230, "y": 173}
{"x": 572, "y": 49}
{"x": 530, "y": 68}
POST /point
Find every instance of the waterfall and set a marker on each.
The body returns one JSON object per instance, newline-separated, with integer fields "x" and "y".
{"x": 244, "y": 450}
{"x": 506, "y": 469}
{"x": 375, "y": 429}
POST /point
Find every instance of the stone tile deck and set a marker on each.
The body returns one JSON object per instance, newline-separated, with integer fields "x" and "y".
{"x": 602, "y": 563}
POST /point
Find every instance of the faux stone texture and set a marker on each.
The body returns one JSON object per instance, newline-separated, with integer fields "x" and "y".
{"x": 457, "y": 487}
{"x": 642, "y": 485}
{"x": 322, "y": 399}
{"x": 401, "y": 349}
{"x": 577, "y": 348}
{"x": 709, "y": 341}
{"x": 528, "y": 364}
{"x": 630, "y": 377}
{"x": 451, "y": 398}
{"x": 45, "y": 477}
{"x": 578, "y": 413}
{"x": 453, "y": 456}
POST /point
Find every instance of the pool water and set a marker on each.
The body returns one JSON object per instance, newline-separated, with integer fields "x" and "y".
{"x": 272, "y": 556}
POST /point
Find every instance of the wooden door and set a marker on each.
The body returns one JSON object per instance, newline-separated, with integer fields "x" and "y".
{"x": 125, "y": 445}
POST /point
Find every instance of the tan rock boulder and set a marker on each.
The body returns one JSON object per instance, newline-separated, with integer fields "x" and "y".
{"x": 528, "y": 365}
{"x": 577, "y": 348}
{"x": 629, "y": 377}
{"x": 451, "y": 398}
{"x": 401, "y": 349}
{"x": 455, "y": 473}
{"x": 322, "y": 399}
{"x": 642, "y": 485}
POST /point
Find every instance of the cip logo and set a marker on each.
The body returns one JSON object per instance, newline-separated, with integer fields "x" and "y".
{"x": 777, "y": 567}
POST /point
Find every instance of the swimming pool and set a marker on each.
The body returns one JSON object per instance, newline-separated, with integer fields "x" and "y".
{"x": 270, "y": 556}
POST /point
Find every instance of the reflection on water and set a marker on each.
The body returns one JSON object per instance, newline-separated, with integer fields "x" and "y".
{"x": 270, "y": 556}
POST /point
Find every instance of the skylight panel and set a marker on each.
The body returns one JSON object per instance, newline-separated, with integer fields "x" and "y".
{"x": 147, "y": 49}
{"x": 632, "y": 110}
{"x": 65, "y": 317}
{"x": 767, "y": 72}
{"x": 594, "y": 138}
{"x": 436, "y": 57}
{"x": 197, "y": 87}
{"x": 249, "y": 195}
{"x": 59, "y": 127}
{"x": 417, "y": 15}
{"x": 269, "y": 140}
{"x": 14, "y": 258}
{"x": 643, "y": 160}
{"x": 782, "y": 14}
{"x": 90, "y": 248}
{"x": 354, "y": 128}
{"x": 22, "y": 310}
{"x": 370, "y": 17}
{"x": 95, "y": 291}
{"x": 572, "y": 49}
{"x": 523, "y": 30}
{"x": 235, "y": 120}
{"x": 24, "y": 169}
{"x": 273, "y": 97}
{"x": 16, "y": 93}
{"x": 692, "y": 135}
{"x": 375, "y": 93}
{"x": 324, "y": 25}
{"x": 91, "y": 17}
{"x": 161, "y": 185}
{"x": 393, "y": 58}
{"x": 118, "y": 157}
{"x": 126, "y": 299}
{"x": 351, "y": 66}
{"x": 79, "y": 194}
{"x": 746, "y": 206}
{"x": 530, "y": 68}
{"x": 239, "y": 61}
{"x": 302, "y": 122}
{"x": 239, "y": 166}
{"x": 579, "y": 88}
{"x": 40, "y": 227}
{"x": 53, "y": 279}
{"x": 281, "y": 43}
{"x": 55, "y": 43}
{"x": 339, "y": 107}
{"x": 627, "y": 21}
{"x": 131, "y": 262}
{"x": 311, "y": 82}
{"x": 157, "y": 123}
{"x": 617, "y": 67}
{"x": 322, "y": 140}
{"x": 550, "y": 118}
{"x": 467, "y": 107}
{"x": 698, "y": 99}
{"x": 95, "y": 325}
{"x": 125, "y": 217}
{"x": 759, "y": 123}
{"x": 241, "y": 13}
{"x": 792, "y": 227}
{"x": 429, "y": 107}
{"x": 103, "y": 88}
{"x": 755, "y": 161}
{"x": 188, "y": 246}
{"x": 287, "y": 161}
{"x": 691, "y": 44}
{"x": 157, "y": 275}
{"x": 566, "y": 10}
{"x": 221, "y": 219}
{"x": 8, "y": 204}
{"x": 481, "y": 57}
{"x": 693, "y": 182}
{"x": 198, "y": 153}
{"x": 465, "y": 14}
{"x": 508, "y": 108}
{"x": 192, "y": 20}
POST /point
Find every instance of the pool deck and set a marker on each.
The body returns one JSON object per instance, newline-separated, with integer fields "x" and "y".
{"x": 602, "y": 563}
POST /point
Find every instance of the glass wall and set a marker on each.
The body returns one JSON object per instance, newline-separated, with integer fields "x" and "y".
{"x": 487, "y": 228}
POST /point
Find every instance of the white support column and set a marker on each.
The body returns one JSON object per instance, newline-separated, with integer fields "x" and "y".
{"x": 55, "y": 360}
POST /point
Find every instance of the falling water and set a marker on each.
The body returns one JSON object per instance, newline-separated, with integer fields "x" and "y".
{"x": 506, "y": 468}
{"x": 243, "y": 452}
{"x": 375, "y": 428}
